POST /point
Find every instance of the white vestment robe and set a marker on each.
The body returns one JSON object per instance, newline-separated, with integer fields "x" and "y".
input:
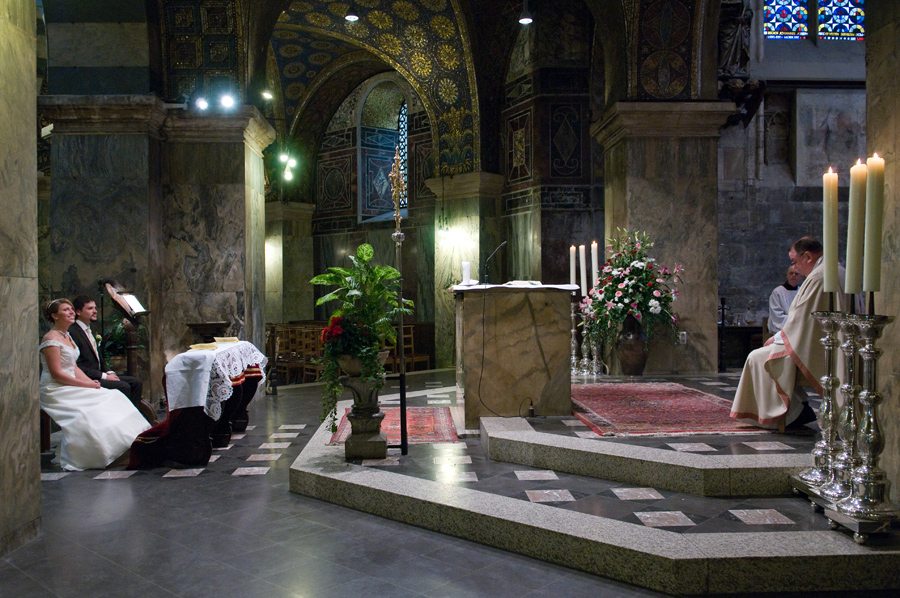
{"x": 770, "y": 373}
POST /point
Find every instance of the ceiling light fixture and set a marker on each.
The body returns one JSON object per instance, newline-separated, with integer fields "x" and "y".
{"x": 226, "y": 100}
{"x": 351, "y": 14}
{"x": 525, "y": 17}
{"x": 201, "y": 103}
{"x": 267, "y": 94}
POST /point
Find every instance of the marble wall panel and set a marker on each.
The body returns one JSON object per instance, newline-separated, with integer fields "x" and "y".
{"x": 178, "y": 309}
{"x": 462, "y": 242}
{"x": 255, "y": 231}
{"x": 203, "y": 234}
{"x": 275, "y": 258}
{"x": 560, "y": 229}
{"x": 425, "y": 273}
{"x": 20, "y": 492}
{"x": 524, "y": 245}
{"x": 883, "y": 131}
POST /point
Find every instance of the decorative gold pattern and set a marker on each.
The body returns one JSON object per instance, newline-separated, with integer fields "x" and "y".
{"x": 320, "y": 58}
{"x": 294, "y": 70}
{"x": 284, "y": 18}
{"x": 318, "y": 19}
{"x": 338, "y": 9}
{"x": 416, "y": 36}
{"x": 390, "y": 44}
{"x": 358, "y": 29}
{"x": 434, "y": 5}
{"x": 421, "y": 66}
{"x": 448, "y": 57}
{"x": 290, "y": 50}
{"x": 185, "y": 52}
{"x": 321, "y": 45}
{"x": 443, "y": 26}
{"x": 664, "y": 74}
{"x": 405, "y": 10}
{"x": 448, "y": 91}
{"x": 294, "y": 90}
{"x": 368, "y": 3}
{"x": 380, "y": 19}
{"x": 301, "y": 7}
{"x": 284, "y": 34}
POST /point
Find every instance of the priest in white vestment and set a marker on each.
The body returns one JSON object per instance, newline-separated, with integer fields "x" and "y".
{"x": 767, "y": 393}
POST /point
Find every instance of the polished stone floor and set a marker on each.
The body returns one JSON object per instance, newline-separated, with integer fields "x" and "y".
{"x": 234, "y": 529}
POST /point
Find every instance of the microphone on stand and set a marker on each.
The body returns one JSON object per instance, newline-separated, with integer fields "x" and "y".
{"x": 489, "y": 259}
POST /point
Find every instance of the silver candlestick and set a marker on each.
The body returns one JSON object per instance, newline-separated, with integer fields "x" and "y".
{"x": 870, "y": 489}
{"x": 584, "y": 366}
{"x": 574, "y": 343}
{"x": 843, "y": 463}
{"x": 828, "y": 416}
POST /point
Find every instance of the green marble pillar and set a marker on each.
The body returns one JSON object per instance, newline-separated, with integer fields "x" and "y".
{"x": 662, "y": 178}
{"x": 289, "y": 264}
{"x": 467, "y": 223}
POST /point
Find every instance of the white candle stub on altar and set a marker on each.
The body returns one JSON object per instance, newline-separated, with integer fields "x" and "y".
{"x": 874, "y": 224}
{"x": 830, "y": 231}
{"x": 595, "y": 271}
{"x": 572, "y": 265}
{"x": 855, "y": 228}
{"x": 583, "y": 265}
{"x": 466, "y": 272}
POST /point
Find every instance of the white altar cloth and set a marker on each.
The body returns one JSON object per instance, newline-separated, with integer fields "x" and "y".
{"x": 202, "y": 378}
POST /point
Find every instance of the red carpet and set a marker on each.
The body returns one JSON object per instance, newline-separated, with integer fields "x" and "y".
{"x": 424, "y": 425}
{"x": 653, "y": 409}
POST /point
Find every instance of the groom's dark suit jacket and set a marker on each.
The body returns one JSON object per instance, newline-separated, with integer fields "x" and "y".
{"x": 87, "y": 360}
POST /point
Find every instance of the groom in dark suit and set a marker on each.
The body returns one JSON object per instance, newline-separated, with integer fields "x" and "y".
{"x": 89, "y": 359}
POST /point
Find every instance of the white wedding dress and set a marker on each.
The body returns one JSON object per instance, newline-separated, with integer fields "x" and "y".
{"x": 98, "y": 425}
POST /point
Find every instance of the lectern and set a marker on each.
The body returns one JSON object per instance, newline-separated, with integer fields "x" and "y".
{"x": 512, "y": 344}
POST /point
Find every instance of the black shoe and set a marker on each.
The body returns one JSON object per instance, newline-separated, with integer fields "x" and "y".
{"x": 807, "y": 415}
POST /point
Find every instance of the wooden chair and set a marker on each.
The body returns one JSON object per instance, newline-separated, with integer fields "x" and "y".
{"x": 288, "y": 354}
{"x": 312, "y": 353}
{"x": 410, "y": 356}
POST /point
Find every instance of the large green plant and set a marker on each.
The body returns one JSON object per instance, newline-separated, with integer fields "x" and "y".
{"x": 361, "y": 324}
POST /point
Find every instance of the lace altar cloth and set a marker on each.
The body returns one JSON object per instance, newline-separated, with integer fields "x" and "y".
{"x": 204, "y": 378}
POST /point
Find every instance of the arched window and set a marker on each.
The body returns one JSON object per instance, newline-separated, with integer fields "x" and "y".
{"x": 403, "y": 146}
{"x": 837, "y": 19}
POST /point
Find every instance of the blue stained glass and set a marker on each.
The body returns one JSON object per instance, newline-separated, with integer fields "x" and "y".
{"x": 842, "y": 19}
{"x": 403, "y": 145}
{"x": 786, "y": 19}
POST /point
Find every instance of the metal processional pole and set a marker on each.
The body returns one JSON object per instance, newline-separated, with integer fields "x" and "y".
{"x": 398, "y": 188}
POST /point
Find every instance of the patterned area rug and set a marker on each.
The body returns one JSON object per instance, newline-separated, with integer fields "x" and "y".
{"x": 654, "y": 409}
{"x": 424, "y": 425}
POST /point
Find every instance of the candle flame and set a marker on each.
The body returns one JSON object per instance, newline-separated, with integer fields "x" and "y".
{"x": 859, "y": 161}
{"x": 830, "y": 171}
{"x": 875, "y": 155}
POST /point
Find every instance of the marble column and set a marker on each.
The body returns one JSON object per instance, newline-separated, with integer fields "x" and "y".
{"x": 20, "y": 480}
{"x": 104, "y": 180}
{"x": 883, "y": 136}
{"x": 662, "y": 177}
{"x": 467, "y": 223}
{"x": 209, "y": 225}
{"x": 289, "y": 263}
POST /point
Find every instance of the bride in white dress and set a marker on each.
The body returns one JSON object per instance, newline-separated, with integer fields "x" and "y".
{"x": 98, "y": 425}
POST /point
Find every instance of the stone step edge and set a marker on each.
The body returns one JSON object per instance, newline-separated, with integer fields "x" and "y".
{"x": 513, "y": 440}
{"x": 689, "y": 564}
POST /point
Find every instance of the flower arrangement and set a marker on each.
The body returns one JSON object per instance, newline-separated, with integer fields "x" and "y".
{"x": 361, "y": 325}
{"x": 630, "y": 284}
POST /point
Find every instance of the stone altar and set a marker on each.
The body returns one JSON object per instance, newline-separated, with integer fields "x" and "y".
{"x": 512, "y": 346}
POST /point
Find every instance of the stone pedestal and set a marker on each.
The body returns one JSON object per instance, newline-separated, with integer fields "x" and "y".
{"x": 662, "y": 178}
{"x": 366, "y": 441}
{"x": 514, "y": 350}
{"x": 467, "y": 215}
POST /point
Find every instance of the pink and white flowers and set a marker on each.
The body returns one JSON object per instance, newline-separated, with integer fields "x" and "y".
{"x": 631, "y": 284}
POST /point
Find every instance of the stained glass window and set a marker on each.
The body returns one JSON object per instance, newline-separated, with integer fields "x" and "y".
{"x": 842, "y": 19}
{"x": 786, "y": 19}
{"x": 402, "y": 138}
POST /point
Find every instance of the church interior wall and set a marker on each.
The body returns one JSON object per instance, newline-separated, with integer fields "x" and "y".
{"x": 883, "y": 136}
{"x": 20, "y": 490}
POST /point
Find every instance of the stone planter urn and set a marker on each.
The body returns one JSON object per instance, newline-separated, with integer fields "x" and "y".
{"x": 366, "y": 440}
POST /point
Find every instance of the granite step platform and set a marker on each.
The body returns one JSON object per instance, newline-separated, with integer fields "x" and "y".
{"x": 662, "y": 560}
{"x": 513, "y": 440}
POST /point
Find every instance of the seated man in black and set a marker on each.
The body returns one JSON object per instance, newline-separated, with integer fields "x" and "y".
{"x": 89, "y": 359}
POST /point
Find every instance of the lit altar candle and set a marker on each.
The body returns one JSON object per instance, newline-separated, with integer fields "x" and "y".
{"x": 583, "y": 264}
{"x": 874, "y": 223}
{"x": 595, "y": 271}
{"x": 572, "y": 265}
{"x": 855, "y": 228}
{"x": 830, "y": 230}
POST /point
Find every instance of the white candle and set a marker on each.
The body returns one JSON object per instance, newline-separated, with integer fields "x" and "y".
{"x": 572, "y": 265}
{"x": 830, "y": 231}
{"x": 855, "y": 228}
{"x": 594, "y": 268}
{"x": 874, "y": 224}
{"x": 466, "y": 272}
{"x": 583, "y": 264}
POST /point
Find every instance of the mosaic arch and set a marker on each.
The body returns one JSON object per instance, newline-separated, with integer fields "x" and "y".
{"x": 423, "y": 40}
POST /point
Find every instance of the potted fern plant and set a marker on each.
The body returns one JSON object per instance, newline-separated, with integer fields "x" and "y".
{"x": 360, "y": 326}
